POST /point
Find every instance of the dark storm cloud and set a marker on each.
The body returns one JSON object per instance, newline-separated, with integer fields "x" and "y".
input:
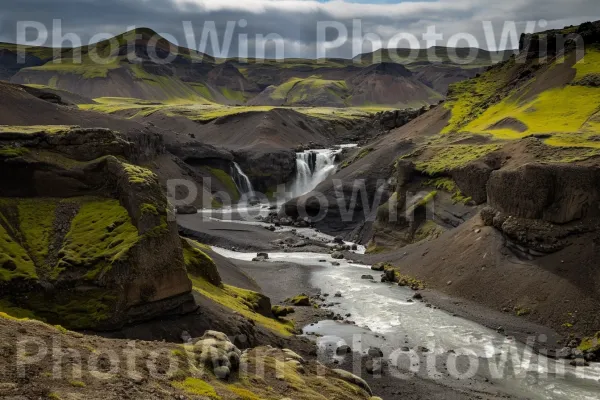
{"x": 295, "y": 21}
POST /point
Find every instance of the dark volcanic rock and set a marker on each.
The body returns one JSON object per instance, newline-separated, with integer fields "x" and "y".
{"x": 558, "y": 193}
{"x": 267, "y": 169}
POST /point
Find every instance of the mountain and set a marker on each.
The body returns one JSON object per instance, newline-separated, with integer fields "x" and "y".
{"x": 199, "y": 78}
{"x": 491, "y": 196}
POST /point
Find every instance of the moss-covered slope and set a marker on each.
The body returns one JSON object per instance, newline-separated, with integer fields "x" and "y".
{"x": 86, "y": 239}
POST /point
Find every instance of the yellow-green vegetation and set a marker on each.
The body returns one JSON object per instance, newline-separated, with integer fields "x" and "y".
{"x": 8, "y": 310}
{"x": 36, "y": 219}
{"x": 554, "y": 111}
{"x": 452, "y": 156}
{"x": 198, "y": 263}
{"x": 590, "y": 344}
{"x": 75, "y": 310}
{"x": 589, "y": 65}
{"x": 36, "y": 129}
{"x": 240, "y": 300}
{"x": 404, "y": 280}
{"x": 448, "y": 185}
{"x": 469, "y": 99}
{"x": 139, "y": 175}
{"x": 101, "y": 234}
{"x": 11, "y": 152}
{"x": 282, "y": 311}
{"x": 428, "y": 231}
{"x": 522, "y": 311}
{"x": 243, "y": 394}
{"x": 373, "y": 248}
{"x": 77, "y": 384}
{"x": 227, "y": 181}
{"x": 149, "y": 209}
{"x": 301, "y": 300}
{"x": 84, "y": 67}
{"x": 197, "y": 387}
{"x": 299, "y": 90}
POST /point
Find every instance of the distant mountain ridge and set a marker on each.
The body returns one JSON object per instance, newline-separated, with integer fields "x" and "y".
{"x": 192, "y": 76}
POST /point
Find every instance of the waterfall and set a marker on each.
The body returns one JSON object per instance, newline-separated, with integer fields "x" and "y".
{"x": 241, "y": 180}
{"x": 312, "y": 168}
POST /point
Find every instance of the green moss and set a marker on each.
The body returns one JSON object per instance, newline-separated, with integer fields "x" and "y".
{"x": 139, "y": 175}
{"x": 149, "y": 209}
{"x": 36, "y": 222}
{"x": 14, "y": 260}
{"x": 101, "y": 234}
{"x": 199, "y": 263}
{"x": 301, "y": 300}
{"x": 448, "y": 185}
{"x": 522, "y": 311}
{"x": 227, "y": 181}
{"x": 282, "y": 311}
{"x": 77, "y": 384}
{"x": 197, "y": 387}
{"x": 236, "y": 299}
{"x": 36, "y": 129}
{"x": 12, "y": 152}
{"x": 373, "y": 248}
{"x": 469, "y": 99}
{"x": 406, "y": 280}
{"x": 16, "y": 312}
{"x": 429, "y": 230}
{"x": 243, "y": 394}
{"x": 449, "y": 157}
{"x": 590, "y": 344}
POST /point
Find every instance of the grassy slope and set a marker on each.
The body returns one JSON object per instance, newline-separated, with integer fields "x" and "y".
{"x": 569, "y": 113}
{"x": 136, "y": 108}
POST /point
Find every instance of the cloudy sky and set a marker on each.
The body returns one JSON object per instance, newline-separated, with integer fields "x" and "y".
{"x": 294, "y": 23}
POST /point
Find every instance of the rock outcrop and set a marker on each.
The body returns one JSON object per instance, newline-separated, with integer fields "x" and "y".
{"x": 539, "y": 207}
{"x": 88, "y": 240}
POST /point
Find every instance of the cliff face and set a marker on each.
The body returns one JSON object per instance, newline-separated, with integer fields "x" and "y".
{"x": 87, "y": 239}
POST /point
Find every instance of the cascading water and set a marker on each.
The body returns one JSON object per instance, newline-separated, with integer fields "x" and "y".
{"x": 242, "y": 181}
{"x": 312, "y": 168}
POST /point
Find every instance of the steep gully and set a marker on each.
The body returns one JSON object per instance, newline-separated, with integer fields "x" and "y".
{"x": 387, "y": 318}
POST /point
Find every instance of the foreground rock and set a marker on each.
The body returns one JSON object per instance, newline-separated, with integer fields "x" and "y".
{"x": 211, "y": 367}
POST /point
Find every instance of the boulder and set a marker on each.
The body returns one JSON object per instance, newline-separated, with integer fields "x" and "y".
{"x": 187, "y": 210}
{"x": 343, "y": 350}
{"x": 373, "y": 367}
{"x": 337, "y": 255}
{"x": 370, "y": 277}
{"x": 378, "y": 267}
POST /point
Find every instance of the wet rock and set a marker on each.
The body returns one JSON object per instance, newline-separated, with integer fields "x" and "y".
{"x": 335, "y": 264}
{"x": 337, "y": 255}
{"x": 343, "y": 350}
{"x": 564, "y": 353}
{"x": 186, "y": 210}
{"x": 375, "y": 352}
{"x": 418, "y": 296}
{"x": 263, "y": 255}
{"x": 370, "y": 277}
{"x": 378, "y": 267}
{"x": 338, "y": 240}
{"x": 338, "y": 294}
{"x": 373, "y": 367}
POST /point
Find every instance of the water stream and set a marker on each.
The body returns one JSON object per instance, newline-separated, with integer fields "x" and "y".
{"x": 386, "y": 318}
